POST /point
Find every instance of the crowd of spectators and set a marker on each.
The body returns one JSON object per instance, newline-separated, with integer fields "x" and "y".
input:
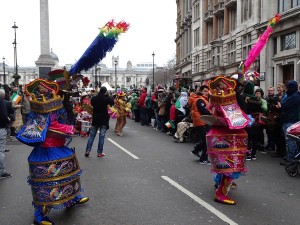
{"x": 272, "y": 114}
{"x": 177, "y": 111}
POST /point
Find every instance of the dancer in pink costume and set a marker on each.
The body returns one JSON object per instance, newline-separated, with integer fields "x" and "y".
{"x": 227, "y": 140}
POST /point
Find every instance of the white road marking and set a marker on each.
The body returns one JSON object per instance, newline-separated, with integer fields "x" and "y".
{"x": 123, "y": 149}
{"x": 200, "y": 201}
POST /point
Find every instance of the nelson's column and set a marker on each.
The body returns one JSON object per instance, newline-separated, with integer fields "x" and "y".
{"x": 45, "y": 62}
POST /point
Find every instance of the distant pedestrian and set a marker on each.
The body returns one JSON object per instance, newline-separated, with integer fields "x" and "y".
{"x": 122, "y": 109}
{"x": 25, "y": 109}
{"x": 142, "y": 106}
{"x": 134, "y": 107}
{"x": 100, "y": 120}
{"x": 4, "y": 121}
{"x": 290, "y": 110}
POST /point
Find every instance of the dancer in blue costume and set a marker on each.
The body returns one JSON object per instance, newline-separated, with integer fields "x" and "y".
{"x": 54, "y": 170}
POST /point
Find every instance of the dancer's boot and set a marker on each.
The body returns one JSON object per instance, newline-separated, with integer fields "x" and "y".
{"x": 79, "y": 200}
{"x": 40, "y": 217}
{"x": 222, "y": 191}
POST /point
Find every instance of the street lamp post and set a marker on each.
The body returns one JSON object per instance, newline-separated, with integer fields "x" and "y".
{"x": 4, "y": 75}
{"x": 16, "y": 75}
{"x": 96, "y": 79}
{"x": 99, "y": 83}
{"x": 153, "y": 70}
{"x": 116, "y": 62}
{"x": 165, "y": 75}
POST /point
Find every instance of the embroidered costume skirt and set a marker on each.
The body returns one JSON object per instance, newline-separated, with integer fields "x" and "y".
{"x": 227, "y": 149}
{"x": 54, "y": 176}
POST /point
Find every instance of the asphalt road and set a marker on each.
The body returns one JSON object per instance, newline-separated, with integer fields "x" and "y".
{"x": 146, "y": 178}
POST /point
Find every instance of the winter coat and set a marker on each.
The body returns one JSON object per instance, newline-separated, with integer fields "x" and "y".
{"x": 196, "y": 113}
{"x": 100, "y": 113}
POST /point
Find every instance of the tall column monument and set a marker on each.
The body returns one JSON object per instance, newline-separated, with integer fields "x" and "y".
{"x": 45, "y": 62}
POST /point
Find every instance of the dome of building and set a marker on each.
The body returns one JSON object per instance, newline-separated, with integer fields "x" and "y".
{"x": 129, "y": 65}
{"x": 54, "y": 56}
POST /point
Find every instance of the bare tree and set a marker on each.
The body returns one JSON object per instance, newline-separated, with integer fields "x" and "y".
{"x": 164, "y": 75}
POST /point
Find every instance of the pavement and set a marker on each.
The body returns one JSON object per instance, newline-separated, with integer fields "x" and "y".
{"x": 124, "y": 189}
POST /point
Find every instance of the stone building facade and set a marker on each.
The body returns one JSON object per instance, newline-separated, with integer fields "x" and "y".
{"x": 214, "y": 36}
{"x": 129, "y": 77}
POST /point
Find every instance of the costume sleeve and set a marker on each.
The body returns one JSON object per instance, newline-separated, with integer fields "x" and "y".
{"x": 63, "y": 128}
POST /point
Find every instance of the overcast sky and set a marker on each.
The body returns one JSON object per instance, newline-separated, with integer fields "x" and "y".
{"x": 74, "y": 25}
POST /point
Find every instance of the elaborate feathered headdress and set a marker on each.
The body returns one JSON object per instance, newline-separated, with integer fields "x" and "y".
{"x": 102, "y": 44}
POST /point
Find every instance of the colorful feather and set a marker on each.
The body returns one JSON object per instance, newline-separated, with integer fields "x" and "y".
{"x": 102, "y": 44}
{"x": 61, "y": 76}
{"x": 261, "y": 42}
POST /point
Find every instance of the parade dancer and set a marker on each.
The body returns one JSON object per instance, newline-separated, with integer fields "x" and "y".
{"x": 122, "y": 109}
{"x": 227, "y": 140}
{"x": 54, "y": 172}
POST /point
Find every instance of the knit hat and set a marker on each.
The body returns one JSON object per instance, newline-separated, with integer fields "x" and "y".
{"x": 291, "y": 87}
{"x": 103, "y": 90}
{"x": 121, "y": 94}
{"x": 248, "y": 89}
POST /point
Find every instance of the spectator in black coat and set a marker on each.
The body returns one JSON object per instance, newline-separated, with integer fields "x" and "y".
{"x": 100, "y": 120}
{"x": 4, "y": 121}
{"x": 290, "y": 111}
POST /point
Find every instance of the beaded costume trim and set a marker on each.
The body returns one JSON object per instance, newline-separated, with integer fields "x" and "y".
{"x": 53, "y": 170}
{"x": 57, "y": 194}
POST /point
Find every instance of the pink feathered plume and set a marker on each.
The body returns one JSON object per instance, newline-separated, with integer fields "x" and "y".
{"x": 261, "y": 42}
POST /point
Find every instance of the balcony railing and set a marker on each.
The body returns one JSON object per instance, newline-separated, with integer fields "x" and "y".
{"x": 208, "y": 16}
{"x": 219, "y": 8}
{"x": 230, "y": 3}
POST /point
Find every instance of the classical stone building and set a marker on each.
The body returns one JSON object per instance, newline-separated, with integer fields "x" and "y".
{"x": 129, "y": 77}
{"x": 214, "y": 36}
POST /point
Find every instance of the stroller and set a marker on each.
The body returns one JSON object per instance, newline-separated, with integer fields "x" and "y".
{"x": 292, "y": 167}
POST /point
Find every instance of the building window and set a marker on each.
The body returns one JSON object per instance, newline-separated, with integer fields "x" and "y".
{"x": 231, "y": 52}
{"x": 295, "y": 3}
{"x": 246, "y": 45}
{"x": 209, "y": 32}
{"x": 208, "y": 60}
{"x": 220, "y": 26}
{"x": 232, "y": 19}
{"x": 196, "y": 37}
{"x": 246, "y": 10}
{"x": 178, "y": 25}
{"x": 288, "y": 41}
{"x": 284, "y": 5}
{"x": 274, "y": 46}
{"x": 197, "y": 63}
{"x": 216, "y": 56}
{"x": 196, "y": 11}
